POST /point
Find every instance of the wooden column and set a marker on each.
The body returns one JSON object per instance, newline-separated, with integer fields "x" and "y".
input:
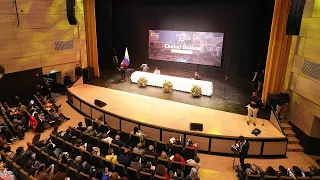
{"x": 278, "y": 50}
{"x": 91, "y": 35}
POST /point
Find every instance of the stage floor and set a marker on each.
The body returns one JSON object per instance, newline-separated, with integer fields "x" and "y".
{"x": 172, "y": 114}
{"x": 229, "y": 95}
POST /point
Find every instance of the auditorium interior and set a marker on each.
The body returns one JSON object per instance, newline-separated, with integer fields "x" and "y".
{"x": 159, "y": 90}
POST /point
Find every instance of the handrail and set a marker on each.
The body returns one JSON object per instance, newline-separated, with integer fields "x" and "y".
{"x": 278, "y": 121}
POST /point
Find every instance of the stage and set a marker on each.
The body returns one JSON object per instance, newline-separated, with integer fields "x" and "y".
{"x": 162, "y": 119}
{"x": 228, "y": 94}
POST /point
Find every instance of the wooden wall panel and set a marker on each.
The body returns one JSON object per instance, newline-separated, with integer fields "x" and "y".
{"x": 311, "y": 48}
{"x": 310, "y": 27}
{"x": 308, "y": 88}
{"x": 21, "y": 64}
{"x": 35, "y": 48}
{"x": 68, "y": 67}
{"x": 300, "y": 45}
{"x": 59, "y": 58}
{"x": 31, "y": 45}
{"x": 316, "y": 9}
{"x": 297, "y": 64}
{"x": 308, "y": 8}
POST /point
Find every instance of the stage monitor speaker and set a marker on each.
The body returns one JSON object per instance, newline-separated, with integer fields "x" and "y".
{"x": 196, "y": 127}
{"x": 99, "y": 103}
{"x": 71, "y": 12}
{"x": 88, "y": 74}
{"x": 295, "y": 17}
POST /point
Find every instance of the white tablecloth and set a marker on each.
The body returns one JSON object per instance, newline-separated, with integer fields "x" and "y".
{"x": 180, "y": 84}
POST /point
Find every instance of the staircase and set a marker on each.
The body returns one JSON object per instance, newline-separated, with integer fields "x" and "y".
{"x": 293, "y": 142}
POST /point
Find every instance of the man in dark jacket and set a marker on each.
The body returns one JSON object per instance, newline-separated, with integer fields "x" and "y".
{"x": 253, "y": 108}
{"x": 283, "y": 99}
{"x": 67, "y": 136}
{"x": 243, "y": 149}
{"x": 124, "y": 158}
{"x": 18, "y": 156}
{"x": 78, "y": 71}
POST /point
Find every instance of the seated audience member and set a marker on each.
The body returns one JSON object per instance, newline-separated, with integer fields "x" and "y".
{"x": 38, "y": 95}
{"x": 106, "y": 174}
{"x": 29, "y": 168}
{"x": 5, "y": 173}
{"x": 39, "y": 143}
{"x": 148, "y": 168}
{"x": 139, "y": 149}
{"x": 99, "y": 120}
{"x": 64, "y": 159}
{"x": 191, "y": 145}
{"x": 282, "y": 171}
{"x": 193, "y": 175}
{"x": 125, "y": 158}
{"x": 178, "y": 175}
{"x": 314, "y": 171}
{"x": 194, "y": 162}
{"x": 197, "y": 76}
{"x": 137, "y": 132}
{"x": 76, "y": 164}
{"x": 150, "y": 151}
{"x": 49, "y": 149}
{"x": 118, "y": 141}
{"x": 5, "y": 133}
{"x": 161, "y": 170}
{"x": 178, "y": 158}
{"x": 115, "y": 176}
{"x": 297, "y": 172}
{"x": 18, "y": 156}
{"x": 67, "y": 136}
{"x": 80, "y": 127}
{"x": 136, "y": 164}
{"x": 156, "y": 71}
{"x": 111, "y": 156}
{"x": 163, "y": 155}
{"x": 253, "y": 169}
{"x": 269, "y": 172}
{"x": 43, "y": 173}
{"x": 67, "y": 80}
{"x": 55, "y": 131}
{"x": 60, "y": 174}
{"x": 106, "y": 138}
{"x": 89, "y": 130}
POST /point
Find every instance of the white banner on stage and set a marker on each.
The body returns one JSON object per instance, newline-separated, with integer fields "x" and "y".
{"x": 179, "y": 84}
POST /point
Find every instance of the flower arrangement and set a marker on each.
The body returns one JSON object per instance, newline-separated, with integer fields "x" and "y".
{"x": 196, "y": 91}
{"x": 167, "y": 86}
{"x": 142, "y": 82}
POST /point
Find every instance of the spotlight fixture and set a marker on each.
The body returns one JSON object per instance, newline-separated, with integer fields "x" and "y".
{"x": 1, "y": 71}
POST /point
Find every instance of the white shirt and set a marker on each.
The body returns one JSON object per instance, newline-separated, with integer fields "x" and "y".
{"x": 157, "y": 71}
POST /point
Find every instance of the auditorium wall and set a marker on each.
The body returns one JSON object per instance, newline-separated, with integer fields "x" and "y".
{"x": 303, "y": 79}
{"x": 246, "y": 25}
{"x": 28, "y": 41}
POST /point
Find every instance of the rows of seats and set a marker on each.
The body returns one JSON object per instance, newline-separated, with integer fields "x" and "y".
{"x": 258, "y": 177}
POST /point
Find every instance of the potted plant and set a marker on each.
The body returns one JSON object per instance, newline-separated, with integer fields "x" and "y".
{"x": 167, "y": 86}
{"x": 196, "y": 91}
{"x": 142, "y": 82}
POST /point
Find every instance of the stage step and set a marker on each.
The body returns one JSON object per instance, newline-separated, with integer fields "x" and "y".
{"x": 294, "y": 148}
{"x": 286, "y": 126}
{"x": 289, "y": 133}
{"x": 293, "y": 140}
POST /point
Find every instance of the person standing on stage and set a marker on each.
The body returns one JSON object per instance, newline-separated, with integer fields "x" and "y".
{"x": 253, "y": 108}
{"x": 260, "y": 81}
{"x": 78, "y": 71}
{"x": 243, "y": 149}
{"x": 283, "y": 99}
{"x": 197, "y": 76}
{"x": 115, "y": 58}
{"x": 122, "y": 68}
{"x": 156, "y": 71}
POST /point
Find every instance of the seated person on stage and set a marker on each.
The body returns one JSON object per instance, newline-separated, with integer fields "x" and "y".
{"x": 197, "y": 76}
{"x": 156, "y": 71}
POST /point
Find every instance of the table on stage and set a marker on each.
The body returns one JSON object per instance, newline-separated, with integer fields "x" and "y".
{"x": 180, "y": 84}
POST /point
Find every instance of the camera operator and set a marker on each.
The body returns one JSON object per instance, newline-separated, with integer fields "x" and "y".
{"x": 243, "y": 149}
